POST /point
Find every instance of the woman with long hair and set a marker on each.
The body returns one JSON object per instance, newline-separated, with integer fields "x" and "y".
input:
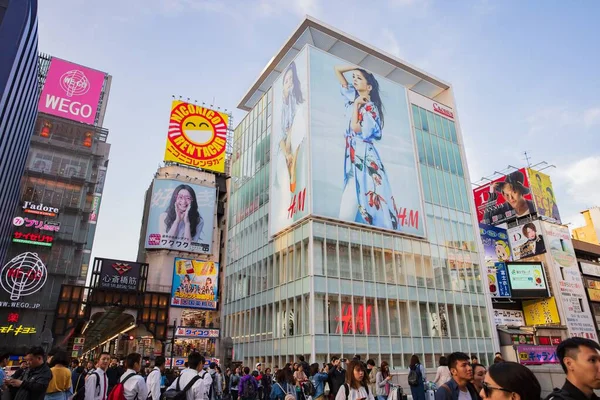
{"x": 510, "y": 380}
{"x": 383, "y": 381}
{"x": 442, "y": 374}
{"x": 182, "y": 219}
{"x": 478, "y": 376}
{"x": 418, "y": 388}
{"x": 367, "y": 196}
{"x": 357, "y": 384}
{"x": 60, "y": 386}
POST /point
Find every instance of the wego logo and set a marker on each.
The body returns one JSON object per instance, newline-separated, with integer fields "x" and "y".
{"x": 122, "y": 268}
{"x": 437, "y": 108}
{"x": 23, "y": 275}
{"x": 74, "y": 83}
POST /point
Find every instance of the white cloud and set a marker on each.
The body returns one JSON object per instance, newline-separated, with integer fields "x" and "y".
{"x": 389, "y": 43}
{"x": 591, "y": 116}
{"x": 551, "y": 118}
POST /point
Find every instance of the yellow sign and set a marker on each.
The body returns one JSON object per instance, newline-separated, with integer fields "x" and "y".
{"x": 197, "y": 137}
{"x": 18, "y": 330}
{"x": 594, "y": 294}
{"x": 540, "y": 312}
{"x": 543, "y": 195}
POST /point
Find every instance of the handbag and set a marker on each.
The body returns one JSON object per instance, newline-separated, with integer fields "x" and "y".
{"x": 327, "y": 390}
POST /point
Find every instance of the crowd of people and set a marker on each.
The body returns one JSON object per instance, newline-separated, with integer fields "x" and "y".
{"x": 459, "y": 377}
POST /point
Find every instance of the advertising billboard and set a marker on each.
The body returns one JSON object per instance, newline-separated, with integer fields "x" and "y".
{"x": 363, "y": 158}
{"x": 560, "y": 245}
{"x": 119, "y": 274}
{"x": 508, "y": 317}
{"x": 195, "y": 284}
{"x": 526, "y": 240}
{"x": 504, "y": 199}
{"x": 527, "y": 280}
{"x": 197, "y": 136}
{"x": 495, "y": 244}
{"x": 543, "y": 195}
{"x": 536, "y": 355}
{"x": 22, "y": 276}
{"x": 498, "y": 280}
{"x": 289, "y": 195}
{"x": 71, "y": 91}
{"x": 541, "y": 312}
{"x": 181, "y": 217}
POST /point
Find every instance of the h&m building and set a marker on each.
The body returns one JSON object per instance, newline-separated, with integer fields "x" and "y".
{"x": 351, "y": 225}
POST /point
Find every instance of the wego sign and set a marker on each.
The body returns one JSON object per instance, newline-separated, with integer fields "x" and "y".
{"x": 22, "y": 276}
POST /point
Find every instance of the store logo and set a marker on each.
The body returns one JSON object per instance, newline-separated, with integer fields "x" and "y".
{"x": 37, "y": 224}
{"x": 24, "y": 275}
{"x": 121, "y": 268}
{"x": 74, "y": 83}
{"x": 443, "y": 111}
{"x": 40, "y": 209}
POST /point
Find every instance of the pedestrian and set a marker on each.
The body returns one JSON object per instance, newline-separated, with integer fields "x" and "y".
{"x": 78, "y": 381}
{"x": 96, "y": 383}
{"x": 372, "y": 375}
{"x": 511, "y": 380}
{"x": 460, "y": 386}
{"x": 248, "y": 387}
{"x": 216, "y": 386}
{"x": 337, "y": 377}
{"x": 267, "y": 383}
{"x": 3, "y": 363}
{"x": 74, "y": 365}
{"x": 17, "y": 375}
{"x": 356, "y": 385}
{"x": 198, "y": 390}
{"x": 416, "y": 378}
{"x": 498, "y": 358}
{"x": 233, "y": 384}
{"x": 60, "y": 386}
{"x": 113, "y": 373}
{"x": 305, "y": 366}
{"x": 474, "y": 360}
{"x": 282, "y": 388}
{"x": 299, "y": 378}
{"x": 479, "y": 372}
{"x": 580, "y": 359}
{"x": 443, "y": 373}
{"x": 382, "y": 381}
{"x": 90, "y": 366}
{"x": 133, "y": 384}
{"x": 34, "y": 382}
{"x": 154, "y": 379}
{"x": 318, "y": 379}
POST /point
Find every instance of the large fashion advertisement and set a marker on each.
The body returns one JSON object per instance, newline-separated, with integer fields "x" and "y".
{"x": 181, "y": 217}
{"x": 526, "y": 240}
{"x": 543, "y": 195}
{"x": 362, "y": 148}
{"x": 290, "y": 189}
{"x": 195, "y": 284}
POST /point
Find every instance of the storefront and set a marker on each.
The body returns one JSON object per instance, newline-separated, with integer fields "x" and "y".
{"x": 195, "y": 332}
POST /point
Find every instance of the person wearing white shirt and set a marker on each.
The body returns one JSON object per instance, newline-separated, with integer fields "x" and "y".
{"x": 154, "y": 378}
{"x": 199, "y": 390}
{"x": 96, "y": 384}
{"x": 133, "y": 384}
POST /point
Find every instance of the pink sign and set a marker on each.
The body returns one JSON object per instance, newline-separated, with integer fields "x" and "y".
{"x": 71, "y": 91}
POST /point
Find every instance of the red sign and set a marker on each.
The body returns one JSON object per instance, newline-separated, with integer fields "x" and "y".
{"x": 359, "y": 322}
{"x": 440, "y": 110}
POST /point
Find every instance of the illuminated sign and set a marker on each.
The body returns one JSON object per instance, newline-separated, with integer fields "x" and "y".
{"x": 18, "y": 330}
{"x": 95, "y": 209}
{"x": 24, "y": 275}
{"x": 118, "y": 274}
{"x": 50, "y": 226}
{"x": 531, "y": 355}
{"x": 357, "y": 322}
{"x": 40, "y": 209}
{"x": 196, "y": 332}
{"x": 33, "y": 238}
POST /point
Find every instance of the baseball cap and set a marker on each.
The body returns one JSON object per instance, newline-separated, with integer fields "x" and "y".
{"x": 257, "y": 364}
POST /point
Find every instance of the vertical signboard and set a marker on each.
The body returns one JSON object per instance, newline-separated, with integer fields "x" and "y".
{"x": 543, "y": 195}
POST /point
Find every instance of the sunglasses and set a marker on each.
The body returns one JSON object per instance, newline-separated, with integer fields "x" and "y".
{"x": 487, "y": 389}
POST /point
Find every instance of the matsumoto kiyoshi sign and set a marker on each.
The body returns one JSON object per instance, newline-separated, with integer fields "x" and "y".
{"x": 22, "y": 276}
{"x": 71, "y": 91}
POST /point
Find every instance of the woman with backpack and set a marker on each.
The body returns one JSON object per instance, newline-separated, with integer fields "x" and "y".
{"x": 248, "y": 387}
{"x": 282, "y": 389}
{"x": 234, "y": 381}
{"x": 416, "y": 378}
{"x": 318, "y": 380}
{"x": 357, "y": 384}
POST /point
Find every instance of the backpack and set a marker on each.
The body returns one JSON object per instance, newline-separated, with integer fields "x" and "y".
{"x": 248, "y": 389}
{"x": 80, "y": 389}
{"x": 347, "y": 390}
{"x": 309, "y": 388}
{"x": 118, "y": 392}
{"x": 288, "y": 396}
{"x": 177, "y": 393}
{"x": 414, "y": 376}
{"x": 213, "y": 386}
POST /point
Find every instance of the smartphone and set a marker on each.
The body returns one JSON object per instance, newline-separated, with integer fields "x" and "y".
{"x": 345, "y": 360}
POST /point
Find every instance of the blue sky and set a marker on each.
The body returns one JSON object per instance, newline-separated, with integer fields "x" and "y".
{"x": 525, "y": 76}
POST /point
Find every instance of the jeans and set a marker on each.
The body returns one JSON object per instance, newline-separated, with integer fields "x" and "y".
{"x": 234, "y": 394}
{"x": 380, "y": 397}
{"x": 418, "y": 392}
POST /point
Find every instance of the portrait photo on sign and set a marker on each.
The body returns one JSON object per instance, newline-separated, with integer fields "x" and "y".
{"x": 181, "y": 217}
{"x": 195, "y": 284}
{"x": 362, "y": 148}
{"x": 526, "y": 240}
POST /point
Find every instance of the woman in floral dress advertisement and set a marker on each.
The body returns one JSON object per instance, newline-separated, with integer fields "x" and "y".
{"x": 367, "y": 196}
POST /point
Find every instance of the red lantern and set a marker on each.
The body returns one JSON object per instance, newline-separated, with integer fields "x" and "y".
{"x": 45, "y": 132}
{"x": 87, "y": 142}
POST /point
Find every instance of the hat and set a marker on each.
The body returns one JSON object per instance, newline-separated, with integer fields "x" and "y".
{"x": 516, "y": 179}
{"x": 257, "y": 364}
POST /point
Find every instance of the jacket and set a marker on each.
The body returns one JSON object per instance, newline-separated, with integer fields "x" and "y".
{"x": 245, "y": 379}
{"x": 569, "y": 392}
{"x": 279, "y": 390}
{"x": 382, "y": 386}
{"x": 372, "y": 380}
{"x": 450, "y": 391}
{"x": 234, "y": 381}
{"x": 336, "y": 380}
{"x": 318, "y": 380}
{"x": 218, "y": 384}
{"x": 35, "y": 383}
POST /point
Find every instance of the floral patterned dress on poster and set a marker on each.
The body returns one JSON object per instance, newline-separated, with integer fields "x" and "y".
{"x": 375, "y": 204}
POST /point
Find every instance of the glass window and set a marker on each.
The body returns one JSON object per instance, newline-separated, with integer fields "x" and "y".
{"x": 382, "y": 314}
{"x": 425, "y": 182}
{"x": 425, "y": 329}
{"x": 415, "y": 319}
{"x": 331, "y": 257}
{"x": 334, "y": 311}
{"x": 420, "y": 146}
{"x": 446, "y": 129}
{"x": 393, "y": 316}
{"x": 436, "y": 152}
{"x": 368, "y": 316}
{"x": 400, "y": 270}
{"x": 344, "y": 258}
{"x": 404, "y": 320}
{"x": 355, "y": 259}
{"x": 320, "y": 315}
{"x": 390, "y": 272}
{"x": 416, "y": 116}
{"x": 460, "y": 319}
{"x": 430, "y": 122}
{"x": 428, "y": 150}
{"x": 424, "y": 123}
{"x": 367, "y": 259}
{"x": 438, "y": 125}
{"x": 435, "y": 192}
{"x": 453, "y": 132}
{"x": 444, "y": 154}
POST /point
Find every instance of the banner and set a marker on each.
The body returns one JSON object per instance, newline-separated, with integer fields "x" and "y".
{"x": 181, "y": 217}
{"x": 527, "y": 280}
{"x": 509, "y": 317}
{"x": 195, "y": 284}
{"x": 541, "y": 312}
{"x": 289, "y": 197}
{"x": 363, "y": 157}
{"x": 531, "y": 355}
{"x": 526, "y": 240}
{"x": 197, "y": 136}
{"x": 71, "y": 91}
{"x": 202, "y": 333}
{"x": 498, "y": 280}
{"x": 495, "y": 244}
{"x": 543, "y": 195}
{"x": 119, "y": 274}
{"x": 504, "y": 199}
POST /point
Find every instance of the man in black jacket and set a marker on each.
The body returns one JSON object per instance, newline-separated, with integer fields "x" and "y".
{"x": 580, "y": 359}
{"x": 460, "y": 385}
{"x": 337, "y": 377}
{"x": 113, "y": 373}
{"x": 35, "y": 380}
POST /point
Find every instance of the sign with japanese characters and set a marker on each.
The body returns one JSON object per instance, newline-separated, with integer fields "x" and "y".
{"x": 119, "y": 274}
{"x": 498, "y": 280}
{"x": 35, "y": 239}
{"x": 42, "y": 225}
{"x": 195, "y": 284}
{"x": 14, "y": 328}
{"x": 532, "y": 355}
{"x": 590, "y": 269}
{"x": 183, "y": 331}
{"x": 509, "y": 317}
{"x": 541, "y": 312}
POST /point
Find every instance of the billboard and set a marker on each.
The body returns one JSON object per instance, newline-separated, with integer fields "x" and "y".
{"x": 197, "y": 136}
{"x": 119, "y": 274}
{"x": 363, "y": 160}
{"x": 541, "y": 312}
{"x": 504, "y": 199}
{"x": 195, "y": 284}
{"x": 537, "y": 355}
{"x": 498, "y": 280}
{"x": 527, "y": 280}
{"x": 543, "y": 195}
{"x": 71, "y": 91}
{"x": 526, "y": 240}
{"x": 290, "y": 189}
{"x": 181, "y": 217}
{"x": 508, "y": 317}
{"x": 495, "y": 244}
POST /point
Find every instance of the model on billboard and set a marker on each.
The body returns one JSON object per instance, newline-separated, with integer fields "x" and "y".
{"x": 513, "y": 190}
{"x": 367, "y": 196}
{"x": 545, "y": 197}
{"x": 181, "y": 218}
{"x": 535, "y": 243}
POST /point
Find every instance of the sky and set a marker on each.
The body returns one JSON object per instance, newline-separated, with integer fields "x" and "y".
{"x": 525, "y": 76}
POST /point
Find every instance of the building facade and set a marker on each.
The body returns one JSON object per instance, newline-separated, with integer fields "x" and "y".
{"x": 61, "y": 187}
{"x": 317, "y": 270}
{"x": 589, "y": 232}
{"x": 18, "y": 102}
{"x": 588, "y": 258}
